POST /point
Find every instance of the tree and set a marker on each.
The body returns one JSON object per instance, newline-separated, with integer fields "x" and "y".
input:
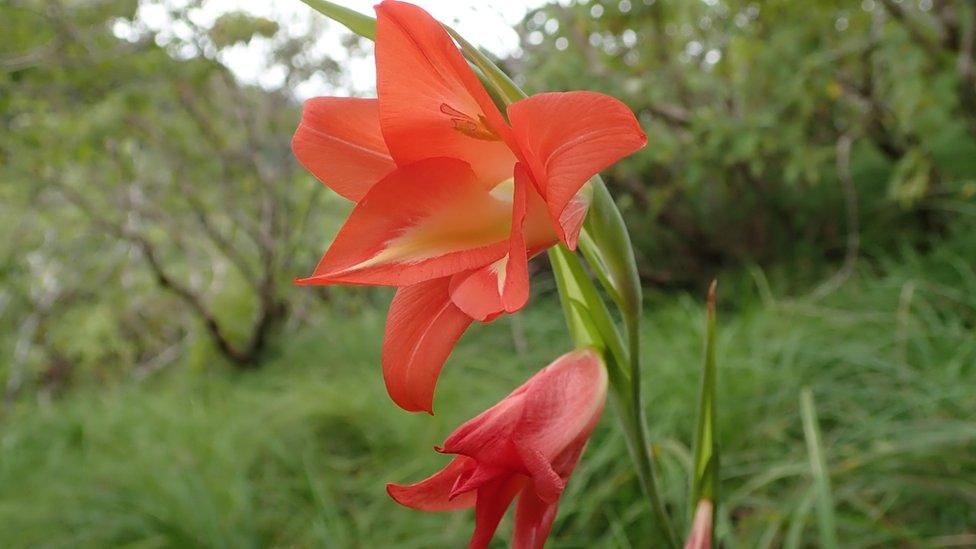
{"x": 153, "y": 198}
{"x": 749, "y": 109}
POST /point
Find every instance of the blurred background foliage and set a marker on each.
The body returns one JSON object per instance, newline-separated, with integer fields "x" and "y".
{"x": 818, "y": 157}
{"x": 777, "y": 129}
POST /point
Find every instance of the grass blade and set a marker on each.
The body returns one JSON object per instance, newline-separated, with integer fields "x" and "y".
{"x": 818, "y": 468}
{"x": 704, "y": 484}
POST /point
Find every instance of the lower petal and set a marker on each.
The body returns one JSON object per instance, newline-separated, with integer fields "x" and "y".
{"x": 545, "y": 480}
{"x": 426, "y": 220}
{"x": 492, "y": 502}
{"x": 502, "y": 286}
{"x": 533, "y": 521}
{"x": 434, "y": 492}
{"x": 422, "y": 328}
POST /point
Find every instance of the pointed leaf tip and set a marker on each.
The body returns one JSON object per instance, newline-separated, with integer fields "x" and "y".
{"x": 358, "y": 23}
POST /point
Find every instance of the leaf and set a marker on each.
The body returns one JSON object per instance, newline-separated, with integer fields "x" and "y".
{"x": 507, "y": 90}
{"x": 606, "y": 245}
{"x": 819, "y": 471}
{"x": 361, "y": 24}
{"x": 580, "y": 300}
{"x": 706, "y": 461}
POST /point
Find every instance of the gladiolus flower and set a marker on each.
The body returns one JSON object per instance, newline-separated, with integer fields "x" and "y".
{"x": 527, "y": 445}
{"x": 451, "y": 198}
{"x": 701, "y": 529}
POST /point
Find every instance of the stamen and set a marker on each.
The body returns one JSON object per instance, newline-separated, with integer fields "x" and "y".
{"x": 464, "y": 123}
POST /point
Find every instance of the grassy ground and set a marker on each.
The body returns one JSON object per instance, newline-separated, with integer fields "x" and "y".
{"x": 297, "y": 454}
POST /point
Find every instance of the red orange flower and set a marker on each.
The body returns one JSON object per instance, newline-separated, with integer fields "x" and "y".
{"x": 527, "y": 445}
{"x": 451, "y": 198}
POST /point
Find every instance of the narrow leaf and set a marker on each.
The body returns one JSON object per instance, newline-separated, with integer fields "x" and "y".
{"x": 606, "y": 244}
{"x": 706, "y": 462}
{"x": 360, "y": 24}
{"x": 819, "y": 471}
{"x": 576, "y": 286}
{"x": 497, "y": 78}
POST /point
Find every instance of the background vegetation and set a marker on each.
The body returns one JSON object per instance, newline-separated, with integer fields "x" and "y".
{"x": 166, "y": 386}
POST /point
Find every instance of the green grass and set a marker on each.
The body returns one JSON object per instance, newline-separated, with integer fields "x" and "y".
{"x": 297, "y": 454}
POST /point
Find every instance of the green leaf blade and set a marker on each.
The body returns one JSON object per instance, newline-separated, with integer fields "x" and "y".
{"x": 826, "y": 521}
{"x": 706, "y": 452}
{"x": 358, "y": 23}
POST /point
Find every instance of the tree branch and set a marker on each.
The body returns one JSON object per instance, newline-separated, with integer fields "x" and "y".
{"x": 920, "y": 32}
{"x": 241, "y": 357}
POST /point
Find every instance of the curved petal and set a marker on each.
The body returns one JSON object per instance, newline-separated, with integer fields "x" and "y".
{"x": 546, "y": 482}
{"x": 533, "y": 521}
{"x": 422, "y": 328}
{"x": 427, "y": 220}
{"x": 476, "y": 477}
{"x": 502, "y": 286}
{"x": 545, "y": 420}
{"x": 563, "y": 403}
{"x": 431, "y": 102}
{"x": 434, "y": 492}
{"x": 339, "y": 141}
{"x": 493, "y": 500}
{"x": 488, "y": 436}
{"x": 476, "y": 292}
{"x": 513, "y": 284}
{"x": 568, "y": 138}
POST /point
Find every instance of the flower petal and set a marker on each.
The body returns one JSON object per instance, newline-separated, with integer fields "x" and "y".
{"x": 426, "y": 220}
{"x": 514, "y": 284}
{"x": 339, "y": 141}
{"x": 502, "y": 286}
{"x": 476, "y": 292}
{"x": 551, "y": 414}
{"x": 533, "y": 521}
{"x": 476, "y": 477}
{"x": 421, "y": 330}
{"x": 547, "y": 483}
{"x": 493, "y": 500}
{"x": 563, "y": 403}
{"x": 434, "y": 492}
{"x": 488, "y": 436}
{"x": 431, "y": 102}
{"x": 568, "y": 138}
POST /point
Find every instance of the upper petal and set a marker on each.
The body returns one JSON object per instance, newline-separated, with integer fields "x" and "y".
{"x": 434, "y": 492}
{"x": 422, "y": 328}
{"x": 568, "y": 138}
{"x": 426, "y": 220}
{"x": 431, "y": 102}
{"x": 563, "y": 403}
{"x": 488, "y": 437}
{"x": 339, "y": 141}
{"x": 552, "y": 413}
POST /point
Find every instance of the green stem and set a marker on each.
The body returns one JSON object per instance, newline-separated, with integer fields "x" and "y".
{"x": 633, "y": 422}
{"x": 591, "y": 326}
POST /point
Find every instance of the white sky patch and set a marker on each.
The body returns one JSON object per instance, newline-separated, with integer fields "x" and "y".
{"x": 488, "y": 25}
